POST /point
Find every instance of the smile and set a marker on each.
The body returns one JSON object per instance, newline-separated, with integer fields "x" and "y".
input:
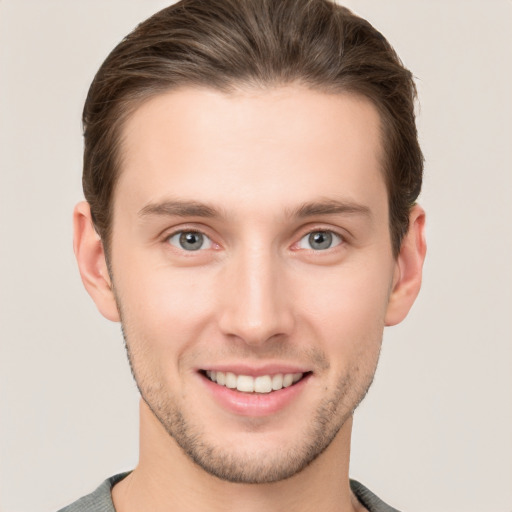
{"x": 248, "y": 384}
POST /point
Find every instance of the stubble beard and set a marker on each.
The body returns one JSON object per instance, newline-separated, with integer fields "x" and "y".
{"x": 239, "y": 467}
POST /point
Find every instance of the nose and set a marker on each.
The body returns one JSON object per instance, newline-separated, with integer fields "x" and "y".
{"x": 255, "y": 305}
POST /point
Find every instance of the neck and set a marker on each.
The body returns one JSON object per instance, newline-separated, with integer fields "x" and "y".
{"x": 166, "y": 479}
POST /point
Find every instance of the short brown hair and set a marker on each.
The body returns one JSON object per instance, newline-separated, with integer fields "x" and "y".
{"x": 228, "y": 44}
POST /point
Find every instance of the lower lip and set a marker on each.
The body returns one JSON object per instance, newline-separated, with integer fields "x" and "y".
{"x": 254, "y": 404}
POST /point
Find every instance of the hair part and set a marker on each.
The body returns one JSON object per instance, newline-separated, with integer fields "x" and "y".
{"x": 231, "y": 44}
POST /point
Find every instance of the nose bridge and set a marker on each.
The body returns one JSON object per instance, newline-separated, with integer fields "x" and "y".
{"x": 254, "y": 306}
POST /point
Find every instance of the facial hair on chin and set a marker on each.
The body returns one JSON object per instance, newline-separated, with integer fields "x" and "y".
{"x": 233, "y": 465}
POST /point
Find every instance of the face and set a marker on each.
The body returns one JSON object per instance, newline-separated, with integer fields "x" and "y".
{"x": 252, "y": 269}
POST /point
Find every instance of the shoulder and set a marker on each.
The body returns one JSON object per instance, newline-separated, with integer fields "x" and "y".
{"x": 98, "y": 501}
{"x": 369, "y": 500}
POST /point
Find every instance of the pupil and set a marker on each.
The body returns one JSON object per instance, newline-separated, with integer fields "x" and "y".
{"x": 320, "y": 240}
{"x": 191, "y": 241}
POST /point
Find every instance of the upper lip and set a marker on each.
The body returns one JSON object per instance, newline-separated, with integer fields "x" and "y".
{"x": 256, "y": 370}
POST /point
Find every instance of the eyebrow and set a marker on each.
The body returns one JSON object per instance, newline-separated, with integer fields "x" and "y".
{"x": 179, "y": 209}
{"x": 176, "y": 208}
{"x": 331, "y": 207}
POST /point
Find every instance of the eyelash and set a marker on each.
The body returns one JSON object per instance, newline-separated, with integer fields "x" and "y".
{"x": 336, "y": 238}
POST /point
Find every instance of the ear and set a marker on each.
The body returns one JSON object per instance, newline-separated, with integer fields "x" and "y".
{"x": 408, "y": 269}
{"x": 92, "y": 264}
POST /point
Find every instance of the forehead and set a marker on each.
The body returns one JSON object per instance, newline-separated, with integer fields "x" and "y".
{"x": 257, "y": 148}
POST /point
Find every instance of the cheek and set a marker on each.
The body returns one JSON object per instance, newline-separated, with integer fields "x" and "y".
{"x": 152, "y": 288}
{"x": 347, "y": 304}
{"x": 163, "y": 312}
{"x": 359, "y": 289}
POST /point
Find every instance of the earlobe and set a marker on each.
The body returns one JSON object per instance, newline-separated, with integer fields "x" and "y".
{"x": 92, "y": 264}
{"x": 408, "y": 269}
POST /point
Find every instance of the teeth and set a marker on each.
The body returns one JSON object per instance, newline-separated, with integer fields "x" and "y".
{"x": 231, "y": 380}
{"x": 221, "y": 378}
{"x": 248, "y": 384}
{"x": 244, "y": 383}
{"x": 287, "y": 380}
{"x": 263, "y": 384}
{"x": 277, "y": 381}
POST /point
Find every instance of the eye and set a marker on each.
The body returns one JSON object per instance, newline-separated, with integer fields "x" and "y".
{"x": 320, "y": 240}
{"x": 190, "y": 240}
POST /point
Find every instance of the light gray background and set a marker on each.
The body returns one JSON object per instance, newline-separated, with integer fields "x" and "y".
{"x": 434, "y": 434}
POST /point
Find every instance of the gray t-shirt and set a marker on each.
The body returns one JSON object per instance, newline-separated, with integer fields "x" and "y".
{"x": 101, "y": 499}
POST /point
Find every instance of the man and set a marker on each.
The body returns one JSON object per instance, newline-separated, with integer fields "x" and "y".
{"x": 251, "y": 171}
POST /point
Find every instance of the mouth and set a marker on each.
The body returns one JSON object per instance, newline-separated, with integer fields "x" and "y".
{"x": 262, "y": 384}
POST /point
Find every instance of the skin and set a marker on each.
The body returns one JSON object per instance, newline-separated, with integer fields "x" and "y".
{"x": 266, "y": 168}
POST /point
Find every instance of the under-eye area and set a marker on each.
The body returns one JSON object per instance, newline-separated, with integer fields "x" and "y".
{"x": 260, "y": 384}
